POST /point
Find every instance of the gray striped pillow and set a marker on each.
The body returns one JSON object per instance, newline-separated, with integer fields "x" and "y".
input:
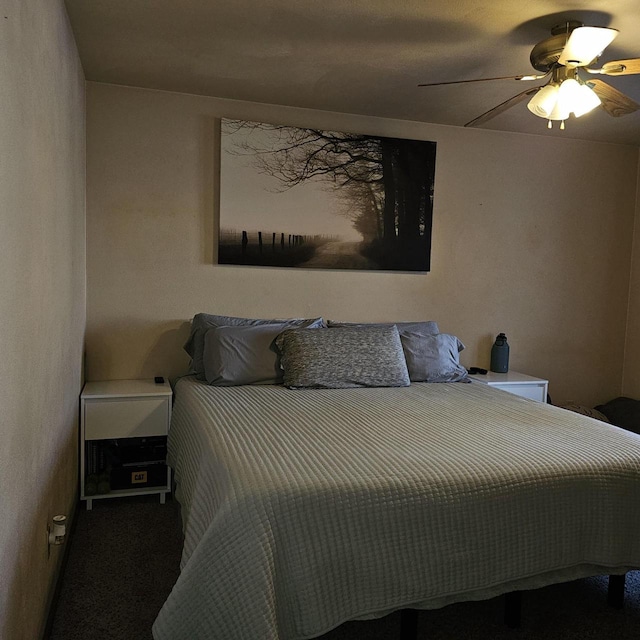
{"x": 343, "y": 358}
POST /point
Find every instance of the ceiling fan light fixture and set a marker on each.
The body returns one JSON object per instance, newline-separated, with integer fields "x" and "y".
{"x": 557, "y": 102}
{"x": 569, "y": 98}
{"x": 588, "y": 101}
{"x": 544, "y": 101}
{"x": 560, "y": 111}
{"x": 571, "y": 51}
{"x": 576, "y": 98}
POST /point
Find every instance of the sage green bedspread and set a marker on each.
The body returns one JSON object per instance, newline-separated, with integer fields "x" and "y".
{"x": 306, "y": 508}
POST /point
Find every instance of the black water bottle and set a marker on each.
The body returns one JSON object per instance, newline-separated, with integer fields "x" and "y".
{"x": 500, "y": 354}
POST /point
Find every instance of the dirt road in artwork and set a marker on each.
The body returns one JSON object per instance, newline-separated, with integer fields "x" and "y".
{"x": 339, "y": 255}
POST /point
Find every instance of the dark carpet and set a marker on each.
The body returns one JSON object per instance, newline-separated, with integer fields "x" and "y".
{"x": 124, "y": 558}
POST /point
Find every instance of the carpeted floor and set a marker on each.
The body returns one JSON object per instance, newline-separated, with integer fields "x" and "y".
{"x": 124, "y": 558}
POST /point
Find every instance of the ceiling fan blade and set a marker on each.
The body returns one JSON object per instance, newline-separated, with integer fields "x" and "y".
{"x": 521, "y": 77}
{"x": 503, "y": 106}
{"x": 614, "y": 102}
{"x": 585, "y": 44}
{"x": 619, "y": 67}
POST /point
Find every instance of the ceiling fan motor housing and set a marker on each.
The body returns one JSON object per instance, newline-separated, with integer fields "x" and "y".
{"x": 546, "y": 53}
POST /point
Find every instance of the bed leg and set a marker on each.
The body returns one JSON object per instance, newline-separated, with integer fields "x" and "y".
{"x": 408, "y": 624}
{"x": 615, "y": 595}
{"x": 513, "y": 609}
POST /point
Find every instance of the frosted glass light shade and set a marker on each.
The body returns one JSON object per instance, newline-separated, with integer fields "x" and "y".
{"x": 569, "y": 93}
{"x": 544, "y": 101}
{"x": 568, "y": 100}
{"x": 576, "y": 98}
{"x": 560, "y": 112}
{"x": 589, "y": 100}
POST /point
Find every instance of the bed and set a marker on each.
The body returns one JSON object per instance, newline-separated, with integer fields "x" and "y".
{"x": 305, "y": 508}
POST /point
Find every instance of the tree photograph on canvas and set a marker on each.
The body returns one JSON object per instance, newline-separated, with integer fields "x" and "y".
{"x": 302, "y": 197}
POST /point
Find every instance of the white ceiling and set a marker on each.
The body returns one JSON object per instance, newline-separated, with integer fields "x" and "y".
{"x": 351, "y": 56}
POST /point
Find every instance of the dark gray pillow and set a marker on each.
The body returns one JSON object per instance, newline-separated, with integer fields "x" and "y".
{"x": 433, "y": 358}
{"x": 343, "y": 358}
{"x": 426, "y": 328}
{"x": 202, "y": 322}
{"x": 242, "y": 355}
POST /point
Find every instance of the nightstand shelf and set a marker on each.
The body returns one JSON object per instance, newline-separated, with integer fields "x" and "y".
{"x": 517, "y": 383}
{"x": 123, "y": 435}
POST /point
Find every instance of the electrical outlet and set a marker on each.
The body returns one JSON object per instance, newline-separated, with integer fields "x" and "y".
{"x": 56, "y": 535}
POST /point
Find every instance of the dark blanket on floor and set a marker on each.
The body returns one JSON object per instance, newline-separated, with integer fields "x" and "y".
{"x": 623, "y": 412}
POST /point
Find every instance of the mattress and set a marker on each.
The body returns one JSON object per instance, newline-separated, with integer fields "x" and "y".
{"x": 306, "y": 508}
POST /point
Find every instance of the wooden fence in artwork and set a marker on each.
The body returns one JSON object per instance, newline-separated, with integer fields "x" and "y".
{"x": 270, "y": 241}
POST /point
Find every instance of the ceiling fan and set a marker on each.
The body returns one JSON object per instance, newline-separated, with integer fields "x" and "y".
{"x": 564, "y": 59}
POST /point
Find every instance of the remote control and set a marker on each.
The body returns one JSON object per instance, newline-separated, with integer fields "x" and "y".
{"x": 475, "y": 370}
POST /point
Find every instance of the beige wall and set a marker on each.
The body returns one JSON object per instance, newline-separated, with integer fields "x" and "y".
{"x": 531, "y": 236}
{"x": 42, "y": 299}
{"x": 631, "y": 386}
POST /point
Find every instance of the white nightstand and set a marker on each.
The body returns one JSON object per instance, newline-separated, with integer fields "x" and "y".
{"x": 516, "y": 383}
{"x": 123, "y": 436}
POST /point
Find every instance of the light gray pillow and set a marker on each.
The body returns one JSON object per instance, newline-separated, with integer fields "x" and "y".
{"x": 343, "y": 358}
{"x": 202, "y": 322}
{"x": 428, "y": 327}
{"x": 242, "y": 355}
{"x": 433, "y": 358}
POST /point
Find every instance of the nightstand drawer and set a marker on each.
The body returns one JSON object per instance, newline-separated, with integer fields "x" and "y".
{"x": 125, "y": 418}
